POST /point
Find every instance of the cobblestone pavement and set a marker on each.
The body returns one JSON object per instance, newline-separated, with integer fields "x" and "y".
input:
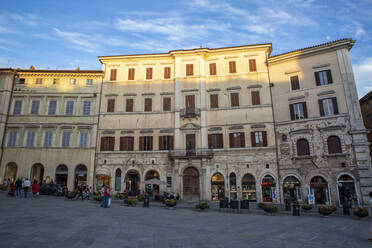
{"x": 55, "y": 222}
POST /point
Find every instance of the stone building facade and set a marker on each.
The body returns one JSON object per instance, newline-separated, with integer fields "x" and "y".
{"x": 6, "y": 87}
{"x": 365, "y": 106}
{"x": 322, "y": 145}
{"x": 200, "y": 120}
{"x": 52, "y": 126}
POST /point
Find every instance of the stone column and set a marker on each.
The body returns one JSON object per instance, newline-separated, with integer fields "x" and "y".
{"x": 177, "y": 96}
{"x": 203, "y": 122}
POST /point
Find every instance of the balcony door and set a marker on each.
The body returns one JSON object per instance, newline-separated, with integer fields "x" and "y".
{"x": 190, "y": 104}
{"x": 190, "y": 143}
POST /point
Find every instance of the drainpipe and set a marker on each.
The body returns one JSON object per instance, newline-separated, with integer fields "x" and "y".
{"x": 99, "y": 115}
{"x": 275, "y": 135}
{"x": 7, "y": 116}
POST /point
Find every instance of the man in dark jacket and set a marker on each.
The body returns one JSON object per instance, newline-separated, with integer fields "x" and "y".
{"x": 18, "y": 185}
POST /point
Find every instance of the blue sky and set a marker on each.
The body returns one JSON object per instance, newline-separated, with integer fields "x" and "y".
{"x": 70, "y": 33}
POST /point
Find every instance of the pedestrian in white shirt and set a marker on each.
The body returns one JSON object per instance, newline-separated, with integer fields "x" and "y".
{"x": 26, "y": 185}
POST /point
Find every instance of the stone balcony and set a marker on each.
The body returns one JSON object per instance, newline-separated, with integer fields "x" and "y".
{"x": 190, "y": 154}
{"x": 190, "y": 112}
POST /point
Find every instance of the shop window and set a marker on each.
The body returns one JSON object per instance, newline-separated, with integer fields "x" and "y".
{"x": 291, "y": 189}
{"x": 334, "y": 145}
{"x": 233, "y": 187}
{"x": 268, "y": 188}
{"x": 303, "y": 148}
{"x": 248, "y": 188}
{"x": 218, "y": 187}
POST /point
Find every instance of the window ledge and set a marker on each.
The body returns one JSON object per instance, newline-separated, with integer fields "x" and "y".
{"x": 303, "y": 157}
{"x": 335, "y": 155}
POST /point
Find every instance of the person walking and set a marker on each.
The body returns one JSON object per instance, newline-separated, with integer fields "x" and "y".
{"x": 106, "y": 196}
{"x": 26, "y": 185}
{"x": 102, "y": 195}
{"x": 18, "y": 185}
{"x": 35, "y": 189}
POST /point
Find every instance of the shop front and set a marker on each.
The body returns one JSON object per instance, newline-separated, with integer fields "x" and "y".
{"x": 10, "y": 172}
{"x": 291, "y": 189}
{"x": 249, "y": 188}
{"x": 118, "y": 180}
{"x": 152, "y": 189}
{"x": 80, "y": 176}
{"x": 319, "y": 189}
{"x": 346, "y": 190}
{"x": 61, "y": 175}
{"x": 233, "y": 186}
{"x": 268, "y": 188}
{"x": 218, "y": 187}
{"x": 132, "y": 183}
{"x": 37, "y": 173}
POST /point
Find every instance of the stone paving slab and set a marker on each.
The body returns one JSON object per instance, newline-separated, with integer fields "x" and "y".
{"x": 55, "y": 222}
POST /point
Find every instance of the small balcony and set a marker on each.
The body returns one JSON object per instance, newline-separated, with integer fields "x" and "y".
{"x": 190, "y": 112}
{"x": 190, "y": 154}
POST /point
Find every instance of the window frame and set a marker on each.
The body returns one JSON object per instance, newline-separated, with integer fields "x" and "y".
{"x": 108, "y": 105}
{"x": 84, "y": 107}
{"x": 73, "y": 81}
{"x": 306, "y": 151}
{"x": 187, "y": 73}
{"x": 51, "y": 138}
{"x": 20, "y": 107}
{"x": 152, "y": 73}
{"x": 38, "y": 107}
{"x": 144, "y": 104}
{"x": 49, "y": 101}
{"x": 69, "y": 138}
{"x": 170, "y": 103}
{"x": 89, "y": 82}
{"x": 298, "y": 81}
{"x": 229, "y": 70}
{"x": 86, "y": 141}
{"x": 12, "y": 134}
{"x": 27, "y": 138}
{"x": 66, "y": 107}
{"x": 231, "y": 99}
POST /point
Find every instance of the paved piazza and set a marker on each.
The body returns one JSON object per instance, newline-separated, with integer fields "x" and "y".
{"x": 54, "y": 222}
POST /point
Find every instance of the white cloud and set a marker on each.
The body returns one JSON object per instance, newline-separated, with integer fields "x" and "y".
{"x": 27, "y": 19}
{"x": 216, "y": 6}
{"x": 360, "y": 31}
{"x": 80, "y": 41}
{"x": 363, "y": 76}
{"x": 260, "y": 29}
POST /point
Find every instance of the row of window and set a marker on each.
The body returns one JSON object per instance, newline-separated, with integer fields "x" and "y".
{"x": 48, "y": 138}
{"x": 327, "y": 107}
{"x": 333, "y": 143}
{"x": 189, "y": 70}
{"x": 73, "y": 81}
{"x": 52, "y": 107}
{"x": 321, "y": 78}
{"x": 189, "y": 102}
{"x": 215, "y": 141}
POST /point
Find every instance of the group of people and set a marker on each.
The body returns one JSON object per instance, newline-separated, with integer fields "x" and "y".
{"x": 16, "y": 188}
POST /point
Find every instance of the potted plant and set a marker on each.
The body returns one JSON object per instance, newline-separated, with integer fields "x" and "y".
{"x": 202, "y": 206}
{"x": 119, "y": 196}
{"x": 326, "y": 210}
{"x": 261, "y": 205}
{"x": 171, "y": 203}
{"x": 270, "y": 209}
{"x": 361, "y": 212}
{"x": 307, "y": 207}
{"x": 141, "y": 197}
{"x": 131, "y": 202}
{"x": 97, "y": 198}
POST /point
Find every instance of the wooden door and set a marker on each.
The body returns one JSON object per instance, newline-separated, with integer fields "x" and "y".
{"x": 190, "y": 183}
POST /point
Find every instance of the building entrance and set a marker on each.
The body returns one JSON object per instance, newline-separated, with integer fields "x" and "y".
{"x": 132, "y": 183}
{"x": 61, "y": 175}
{"x": 37, "y": 173}
{"x": 218, "y": 187}
{"x": 190, "y": 184}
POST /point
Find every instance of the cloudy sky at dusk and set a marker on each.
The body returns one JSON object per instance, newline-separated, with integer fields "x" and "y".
{"x": 66, "y": 34}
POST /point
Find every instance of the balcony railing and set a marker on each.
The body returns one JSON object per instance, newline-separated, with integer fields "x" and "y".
{"x": 190, "y": 153}
{"x": 190, "y": 112}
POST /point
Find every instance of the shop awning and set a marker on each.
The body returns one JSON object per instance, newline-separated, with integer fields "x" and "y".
{"x": 154, "y": 181}
{"x": 102, "y": 172}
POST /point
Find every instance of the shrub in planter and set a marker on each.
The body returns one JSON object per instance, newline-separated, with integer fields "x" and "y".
{"x": 3, "y": 187}
{"x": 119, "y": 196}
{"x": 131, "y": 202}
{"x": 270, "y": 209}
{"x": 361, "y": 212}
{"x": 140, "y": 197}
{"x": 97, "y": 198}
{"x": 170, "y": 203}
{"x": 261, "y": 205}
{"x": 307, "y": 207}
{"x": 202, "y": 205}
{"x": 326, "y": 210}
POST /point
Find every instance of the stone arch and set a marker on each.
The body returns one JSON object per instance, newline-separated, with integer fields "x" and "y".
{"x": 268, "y": 187}
{"x": 61, "y": 175}
{"x": 132, "y": 182}
{"x": 11, "y": 170}
{"x": 81, "y": 173}
{"x": 249, "y": 187}
{"x": 291, "y": 187}
{"x": 347, "y": 188}
{"x": 218, "y": 186}
{"x": 319, "y": 187}
{"x": 37, "y": 173}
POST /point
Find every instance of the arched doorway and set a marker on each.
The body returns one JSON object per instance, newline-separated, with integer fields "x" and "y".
{"x": 319, "y": 189}
{"x": 117, "y": 179}
{"x": 61, "y": 175}
{"x": 132, "y": 183}
{"x": 291, "y": 188}
{"x": 268, "y": 188}
{"x": 80, "y": 175}
{"x": 37, "y": 173}
{"x": 249, "y": 188}
{"x": 10, "y": 172}
{"x": 233, "y": 188}
{"x": 346, "y": 189}
{"x": 190, "y": 184}
{"x": 218, "y": 187}
{"x": 152, "y": 189}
